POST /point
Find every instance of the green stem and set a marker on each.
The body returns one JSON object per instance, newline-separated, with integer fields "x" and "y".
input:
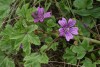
{"x": 91, "y": 40}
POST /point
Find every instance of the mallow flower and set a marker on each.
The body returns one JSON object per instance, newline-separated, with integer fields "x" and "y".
{"x": 67, "y": 29}
{"x": 40, "y": 15}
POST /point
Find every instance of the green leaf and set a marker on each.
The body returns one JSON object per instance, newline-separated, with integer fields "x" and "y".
{"x": 65, "y": 10}
{"x": 7, "y": 45}
{"x": 6, "y": 62}
{"x": 82, "y": 12}
{"x": 83, "y": 4}
{"x": 88, "y": 21}
{"x": 88, "y": 63}
{"x": 34, "y": 39}
{"x": 51, "y": 23}
{"x": 83, "y": 29}
{"x": 7, "y": 31}
{"x": 2, "y": 56}
{"x": 35, "y": 59}
{"x": 29, "y": 14}
{"x": 99, "y": 52}
{"x": 81, "y": 55}
{"x": 86, "y": 46}
{"x": 43, "y": 48}
{"x": 47, "y": 5}
{"x": 72, "y": 60}
{"x": 49, "y": 29}
{"x": 95, "y": 12}
{"x": 26, "y": 45}
{"x": 32, "y": 28}
{"x": 29, "y": 38}
{"x": 25, "y": 12}
{"x": 22, "y": 12}
{"x": 54, "y": 46}
{"x": 22, "y": 35}
{"x": 48, "y": 40}
{"x": 17, "y": 36}
{"x": 4, "y": 9}
{"x": 98, "y": 0}
{"x": 93, "y": 56}
{"x": 29, "y": 60}
{"x": 33, "y": 65}
{"x": 80, "y": 51}
{"x": 26, "y": 40}
{"x": 97, "y": 62}
{"x": 69, "y": 56}
{"x": 44, "y": 58}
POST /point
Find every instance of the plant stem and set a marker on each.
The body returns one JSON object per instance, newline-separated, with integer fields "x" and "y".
{"x": 64, "y": 63}
{"x": 91, "y": 40}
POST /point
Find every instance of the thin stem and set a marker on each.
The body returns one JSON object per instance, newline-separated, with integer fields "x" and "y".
{"x": 95, "y": 50}
{"x": 64, "y": 63}
{"x": 51, "y": 44}
{"x": 96, "y": 28}
{"x": 78, "y": 63}
{"x": 88, "y": 29}
{"x": 91, "y": 40}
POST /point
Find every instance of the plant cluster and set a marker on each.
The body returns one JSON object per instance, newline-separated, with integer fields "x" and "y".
{"x": 35, "y": 33}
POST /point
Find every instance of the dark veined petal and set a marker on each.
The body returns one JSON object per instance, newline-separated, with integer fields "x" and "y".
{"x": 62, "y": 32}
{"x": 68, "y": 36}
{"x": 40, "y": 11}
{"x": 71, "y": 22}
{"x": 63, "y": 22}
{"x": 74, "y": 30}
{"x": 47, "y": 14}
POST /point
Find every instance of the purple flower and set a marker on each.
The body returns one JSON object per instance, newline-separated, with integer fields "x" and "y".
{"x": 40, "y": 15}
{"x": 21, "y": 46}
{"x": 67, "y": 29}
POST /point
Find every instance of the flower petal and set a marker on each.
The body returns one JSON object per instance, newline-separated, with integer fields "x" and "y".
{"x": 68, "y": 36}
{"x": 41, "y": 19}
{"x": 35, "y": 15}
{"x": 36, "y": 20}
{"x": 40, "y": 11}
{"x": 63, "y": 22}
{"x": 71, "y": 22}
{"x": 47, "y": 14}
{"x": 64, "y": 19}
{"x": 62, "y": 33}
{"x": 74, "y": 30}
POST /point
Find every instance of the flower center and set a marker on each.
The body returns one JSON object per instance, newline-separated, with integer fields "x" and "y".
{"x": 66, "y": 30}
